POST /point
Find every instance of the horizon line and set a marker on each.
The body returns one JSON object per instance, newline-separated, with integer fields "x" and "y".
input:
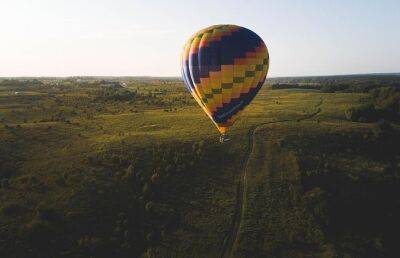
{"x": 178, "y": 76}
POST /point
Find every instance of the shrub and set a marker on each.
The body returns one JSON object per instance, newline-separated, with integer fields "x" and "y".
{"x": 149, "y": 206}
{"x": 93, "y": 245}
{"x": 38, "y": 231}
{"x": 5, "y": 183}
{"x": 155, "y": 178}
{"x": 330, "y": 88}
{"x": 384, "y": 103}
{"x": 60, "y": 181}
{"x": 386, "y": 140}
{"x": 315, "y": 199}
{"x": 146, "y": 189}
{"x": 13, "y": 209}
{"x": 387, "y": 101}
{"x": 364, "y": 113}
{"x": 47, "y": 213}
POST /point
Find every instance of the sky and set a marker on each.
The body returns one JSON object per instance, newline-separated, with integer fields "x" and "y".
{"x": 145, "y": 38}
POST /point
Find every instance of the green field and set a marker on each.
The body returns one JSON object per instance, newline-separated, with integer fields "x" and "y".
{"x": 92, "y": 171}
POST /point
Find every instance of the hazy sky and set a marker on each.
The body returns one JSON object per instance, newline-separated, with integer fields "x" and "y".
{"x": 121, "y": 37}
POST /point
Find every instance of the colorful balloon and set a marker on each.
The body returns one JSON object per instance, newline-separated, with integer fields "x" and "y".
{"x": 223, "y": 67}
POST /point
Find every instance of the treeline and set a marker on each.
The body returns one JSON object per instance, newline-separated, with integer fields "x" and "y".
{"x": 346, "y": 83}
{"x": 382, "y": 104}
{"x": 14, "y": 82}
{"x": 114, "y": 94}
{"x": 20, "y": 85}
{"x": 354, "y": 87}
{"x": 374, "y": 79}
{"x": 280, "y": 86}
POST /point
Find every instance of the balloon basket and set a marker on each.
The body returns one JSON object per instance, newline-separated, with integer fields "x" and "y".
{"x": 223, "y": 138}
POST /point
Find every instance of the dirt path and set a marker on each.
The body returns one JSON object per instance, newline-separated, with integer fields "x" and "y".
{"x": 230, "y": 239}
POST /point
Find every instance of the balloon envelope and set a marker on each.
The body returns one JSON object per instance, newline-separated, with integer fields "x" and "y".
{"x": 223, "y": 67}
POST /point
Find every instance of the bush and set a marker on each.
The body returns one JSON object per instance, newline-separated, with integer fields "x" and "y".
{"x": 44, "y": 212}
{"x": 110, "y": 94}
{"x": 387, "y": 101}
{"x": 13, "y": 209}
{"x": 60, "y": 181}
{"x": 149, "y": 206}
{"x": 315, "y": 200}
{"x": 364, "y": 113}
{"x": 330, "y": 88}
{"x": 130, "y": 172}
{"x": 37, "y": 231}
{"x": 384, "y": 103}
{"x": 155, "y": 178}
{"x": 5, "y": 183}
{"x": 387, "y": 140}
{"x": 93, "y": 245}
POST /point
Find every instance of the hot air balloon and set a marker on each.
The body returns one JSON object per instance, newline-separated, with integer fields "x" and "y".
{"x": 223, "y": 67}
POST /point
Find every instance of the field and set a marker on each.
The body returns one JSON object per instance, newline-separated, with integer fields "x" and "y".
{"x": 132, "y": 167}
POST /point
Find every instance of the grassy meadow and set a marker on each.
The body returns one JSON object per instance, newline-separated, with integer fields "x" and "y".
{"x": 132, "y": 167}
